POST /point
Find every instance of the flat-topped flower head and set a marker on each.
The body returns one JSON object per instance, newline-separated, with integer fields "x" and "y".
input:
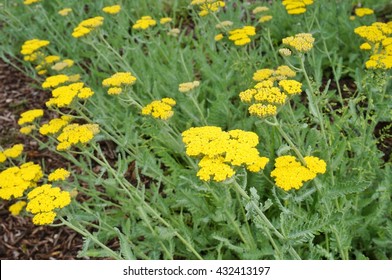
{"x": 54, "y": 125}
{"x": 241, "y": 36}
{"x": 222, "y": 151}
{"x": 144, "y": 23}
{"x": 74, "y": 134}
{"x": 361, "y": 12}
{"x": 54, "y": 81}
{"x": 44, "y": 200}
{"x": 13, "y": 152}
{"x": 86, "y": 26}
{"x": 64, "y": 12}
{"x": 60, "y": 174}
{"x": 17, "y": 207}
{"x": 14, "y": 181}
{"x": 208, "y": 6}
{"x": 302, "y": 42}
{"x": 378, "y": 38}
{"x": 30, "y": 49}
{"x": 115, "y": 9}
{"x": 117, "y": 81}
{"x": 185, "y": 87}
{"x": 160, "y": 109}
{"x": 291, "y": 174}
{"x": 30, "y": 115}
{"x": 296, "y": 7}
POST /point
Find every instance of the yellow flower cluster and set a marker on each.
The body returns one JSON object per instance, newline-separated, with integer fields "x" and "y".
{"x": 27, "y": 129}
{"x": 74, "y": 134}
{"x": 30, "y": 49}
{"x": 45, "y": 63}
{"x": 160, "y": 109}
{"x": 185, "y": 87}
{"x": 221, "y": 151}
{"x": 44, "y": 200}
{"x": 54, "y": 81}
{"x": 165, "y": 20}
{"x": 361, "y": 12}
{"x": 64, "y": 95}
{"x": 144, "y": 23}
{"x": 115, "y": 9}
{"x": 60, "y": 174}
{"x": 13, "y": 152}
{"x": 302, "y": 42}
{"x": 224, "y": 24}
{"x": 378, "y": 38}
{"x": 241, "y": 36}
{"x": 208, "y": 6}
{"x": 117, "y": 81}
{"x": 15, "y": 180}
{"x": 17, "y": 207}
{"x": 266, "y": 95}
{"x": 66, "y": 63}
{"x": 86, "y": 26}
{"x": 282, "y": 72}
{"x": 262, "y": 9}
{"x": 29, "y": 2}
{"x": 30, "y": 115}
{"x": 295, "y": 7}
{"x": 64, "y": 12}
{"x": 54, "y": 125}
{"x": 291, "y": 174}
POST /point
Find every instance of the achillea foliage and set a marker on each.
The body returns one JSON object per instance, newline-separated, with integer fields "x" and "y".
{"x": 221, "y": 151}
{"x": 44, "y": 200}
{"x": 291, "y": 174}
{"x": 86, "y": 26}
{"x": 378, "y": 38}
{"x": 295, "y": 7}
{"x": 160, "y": 109}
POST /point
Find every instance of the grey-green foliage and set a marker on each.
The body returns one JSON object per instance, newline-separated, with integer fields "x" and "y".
{"x": 147, "y": 202}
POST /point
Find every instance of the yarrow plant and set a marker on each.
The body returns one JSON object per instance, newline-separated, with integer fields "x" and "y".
{"x": 194, "y": 131}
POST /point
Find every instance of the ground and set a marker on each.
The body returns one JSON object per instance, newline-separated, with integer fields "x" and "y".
{"x": 19, "y": 238}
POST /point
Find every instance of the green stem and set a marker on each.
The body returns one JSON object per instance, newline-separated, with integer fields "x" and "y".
{"x": 92, "y": 237}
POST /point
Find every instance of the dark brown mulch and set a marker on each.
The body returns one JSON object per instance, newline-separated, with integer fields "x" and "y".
{"x": 19, "y": 237}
